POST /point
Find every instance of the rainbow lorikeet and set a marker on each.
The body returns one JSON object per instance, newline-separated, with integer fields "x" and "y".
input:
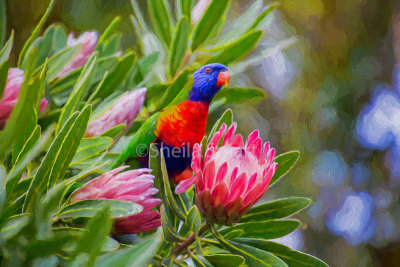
{"x": 178, "y": 127}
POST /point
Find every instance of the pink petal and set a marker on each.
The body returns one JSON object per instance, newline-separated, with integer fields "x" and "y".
{"x": 237, "y": 141}
{"x": 209, "y": 175}
{"x": 219, "y": 194}
{"x": 196, "y": 157}
{"x": 229, "y": 134}
{"x": 255, "y": 148}
{"x": 208, "y": 155}
{"x": 185, "y": 185}
{"x": 266, "y": 150}
{"x": 223, "y": 169}
{"x": 252, "y": 137}
{"x": 237, "y": 187}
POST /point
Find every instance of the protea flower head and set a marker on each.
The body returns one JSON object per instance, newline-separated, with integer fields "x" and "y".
{"x": 15, "y": 78}
{"x": 123, "y": 111}
{"x": 231, "y": 178}
{"x": 134, "y": 186}
{"x": 88, "y": 41}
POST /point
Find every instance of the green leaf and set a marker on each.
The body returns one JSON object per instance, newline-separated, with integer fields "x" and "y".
{"x": 233, "y": 51}
{"x": 211, "y": 19}
{"x": 265, "y": 230}
{"x": 94, "y": 237}
{"x": 89, "y": 207}
{"x": 185, "y": 7}
{"x": 178, "y": 47}
{"x": 90, "y": 147}
{"x": 13, "y": 226}
{"x": 220, "y": 260}
{"x": 254, "y": 257}
{"x": 79, "y": 92}
{"x": 285, "y": 162}
{"x": 171, "y": 91}
{"x": 3, "y": 20}
{"x": 6, "y": 49}
{"x": 107, "y": 33}
{"x": 21, "y": 122}
{"x": 140, "y": 254}
{"x": 291, "y": 257}
{"x": 105, "y": 162}
{"x": 238, "y": 95}
{"x": 168, "y": 228}
{"x": 57, "y": 61}
{"x": 115, "y": 77}
{"x": 168, "y": 192}
{"x": 200, "y": 261}
{"x": 271, "y": 7}
{"x": 140, "y": 141}
{"x": 227, "y": 118}
{"x": 3, "y": 76}
{"x": 276, "y": 209}
{"x": 114, "y": 132}
{"x": 161, "y": 19}
{"x": 193, "y": 220}
{"x": 35, "y": 33}
{"x": 59, "y": 155}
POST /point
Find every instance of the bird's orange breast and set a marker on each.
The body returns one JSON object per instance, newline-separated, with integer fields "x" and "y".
{"x": 182, "y": 124}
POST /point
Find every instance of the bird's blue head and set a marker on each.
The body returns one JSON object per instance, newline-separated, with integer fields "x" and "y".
{"x": 207, "y": 81}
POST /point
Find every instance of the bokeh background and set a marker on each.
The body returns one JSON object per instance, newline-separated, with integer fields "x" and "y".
{"x": 333, "y": 94}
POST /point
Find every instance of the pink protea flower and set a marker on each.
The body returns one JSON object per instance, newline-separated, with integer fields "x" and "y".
{"x": 123, "y": 111}
{"x": 15, "y": 78}
{"x": 232, "y": 178}
{"x": 135, "y": 186}
{"x": 88, "y": 41}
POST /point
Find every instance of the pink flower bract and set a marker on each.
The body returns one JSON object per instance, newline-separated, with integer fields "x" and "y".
{"x": 134, "y": 186}
{"x": 230, "y": 179}
{"x": 88, "y": 41}
{"x": 123, "y": 111}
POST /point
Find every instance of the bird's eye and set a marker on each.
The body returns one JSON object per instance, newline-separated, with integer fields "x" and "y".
{"x": 207, "y": 70}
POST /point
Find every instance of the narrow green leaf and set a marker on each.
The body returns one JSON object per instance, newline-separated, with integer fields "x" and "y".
{"x": 35, "y": 33}
{"x": 276, "y": 209}
{"x": 200, "y": 261}
{"x": 185, "y": 7}
{"x": 89, "y": 208}
{"x": 211, "y": 19}
{"x": 161, "y": 19}
{"x": 21, "y": 123}
{"x": 79, "y": 92}
{"x": 171, "y": 91}
{"x": 291, "y": 257}
{"x": 114, "y": 132}
{"x": 140, "y": 141}
{"x": 193, "y": 220}
{"x": 57, "y": 61}
{"x": 90, "y": 147}
{"x": 178, "y": 47}
{"x": 115, "y": 77}
{"x": 285, "y": 162}
{"x": 93, "y": 238}
{"x": 13, "y": 226}
{"x": 265, "y": 230}
{"x": 220, "y": 260}
{"x": 59, "y": 155}
{"x": 6, "y": 49}
{"x": 108, "y": 33}
{"x": 235, "y": 50}
{"x": 168, "y": 228}
{"x": 168, "y": 192}
{"x": 227, "y": 118}
{"x": 238, "y": 95}
{"x": 3, "y": 76}
{"x": 140, "y": 254}
{"x": 271, "y": 7}
{"x": 69, "y": 146}
{"x": 254, "y": 257}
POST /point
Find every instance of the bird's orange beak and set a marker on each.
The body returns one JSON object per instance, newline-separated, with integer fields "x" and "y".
{"x": 223, "y": 78}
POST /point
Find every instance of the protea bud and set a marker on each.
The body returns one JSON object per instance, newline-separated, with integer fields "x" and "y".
{"x": 123, "y": 111}
{"x": 134, "y": 186}
{"x": 88, "y": 41}
{"x": 14, "y": 82}
{"x": 231, "y": 178}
